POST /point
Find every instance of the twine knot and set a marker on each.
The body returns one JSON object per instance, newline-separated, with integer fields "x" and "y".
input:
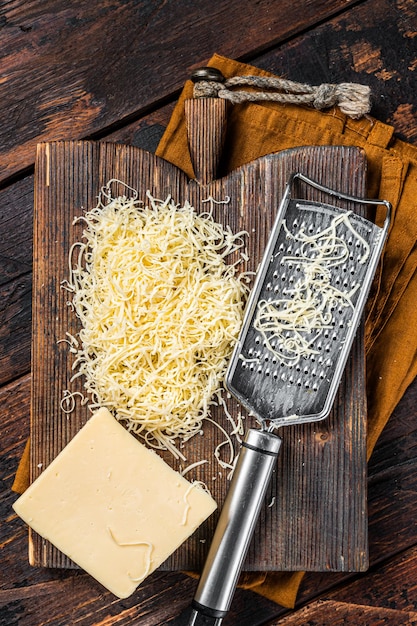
{"x": 325, "y": 96}
{"x": 207, "y": 89}
{"x": 353, "y": 99}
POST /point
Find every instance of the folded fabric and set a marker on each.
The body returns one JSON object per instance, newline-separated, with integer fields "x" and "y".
{"x": 22, "y": 477}
{"x": 257, "y": 129}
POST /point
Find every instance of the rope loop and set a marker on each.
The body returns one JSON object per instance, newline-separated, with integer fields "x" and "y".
{"x": 353, "y": 99}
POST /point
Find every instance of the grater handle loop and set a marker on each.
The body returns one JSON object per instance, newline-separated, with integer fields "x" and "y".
{"x": 236, "y": 525}
{"x": 344, "y": 196}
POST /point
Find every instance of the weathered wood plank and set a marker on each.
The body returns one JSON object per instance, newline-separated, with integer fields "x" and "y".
{"x": 346, "y": 614}
{"x": 393, "y": 583}
{"x": 372, "y": 43}
{"x": 392, "y": 489}
{"x": 141, "y": 50}
{"x": 16, "y": 224}
{"x": 15, "y": 314}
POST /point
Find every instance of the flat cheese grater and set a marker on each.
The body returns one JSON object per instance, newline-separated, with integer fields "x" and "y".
{"x": 299, "y": 325}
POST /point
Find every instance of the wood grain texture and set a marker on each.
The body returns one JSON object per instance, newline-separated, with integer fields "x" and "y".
{"x": 320, "y": 463}
{"x": 388, "y": 597}
{"x": 115, "y": 60}
{"x": 372, "y": 43}
{"x": 347, "y": 614}
{"x": 206, "y": 126}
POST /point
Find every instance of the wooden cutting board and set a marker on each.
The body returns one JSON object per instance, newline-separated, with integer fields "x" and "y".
{"x": 314, "y": 516}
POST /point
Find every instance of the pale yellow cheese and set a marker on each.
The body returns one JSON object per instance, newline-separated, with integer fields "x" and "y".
{"x": 160, "y": 309}
{"x": 112, "y": 505}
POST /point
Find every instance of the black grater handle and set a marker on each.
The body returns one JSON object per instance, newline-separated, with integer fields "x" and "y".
{"x": 235, "y": 526}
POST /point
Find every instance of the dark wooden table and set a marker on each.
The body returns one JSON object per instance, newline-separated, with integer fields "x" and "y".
{"x": 113, "y": 70}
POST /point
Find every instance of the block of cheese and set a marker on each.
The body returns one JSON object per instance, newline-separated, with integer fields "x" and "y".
{"x": 112, "y": 505}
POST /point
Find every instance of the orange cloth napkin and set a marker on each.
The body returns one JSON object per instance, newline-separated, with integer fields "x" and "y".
{"x": 391, "y": 327}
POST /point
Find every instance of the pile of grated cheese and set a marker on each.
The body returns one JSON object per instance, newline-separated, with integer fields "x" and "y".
{"x": 160, "y": 310}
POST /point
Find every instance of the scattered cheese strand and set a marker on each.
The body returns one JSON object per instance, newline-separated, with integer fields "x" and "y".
{"x": 160, "y": 311}
{"x": 149, "y": 549}
{"x": 292, "y": 324}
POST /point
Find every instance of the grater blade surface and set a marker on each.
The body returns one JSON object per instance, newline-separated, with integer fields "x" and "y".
{"x": 311, "y": 288}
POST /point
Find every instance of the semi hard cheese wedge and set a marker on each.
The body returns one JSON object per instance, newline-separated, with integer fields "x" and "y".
{"x": 113, "y": 506}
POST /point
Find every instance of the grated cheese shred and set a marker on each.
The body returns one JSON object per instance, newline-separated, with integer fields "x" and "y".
{"x": 146, "y": 544}
{"x": 160, "y": 309}
{"x": 290, "y": 325}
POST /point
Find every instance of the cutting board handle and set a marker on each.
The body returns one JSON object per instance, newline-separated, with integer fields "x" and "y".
{"x": 206, "y": 124}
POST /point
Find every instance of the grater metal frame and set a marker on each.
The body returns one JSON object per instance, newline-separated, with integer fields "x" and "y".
{"x": 268, "y": 422}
